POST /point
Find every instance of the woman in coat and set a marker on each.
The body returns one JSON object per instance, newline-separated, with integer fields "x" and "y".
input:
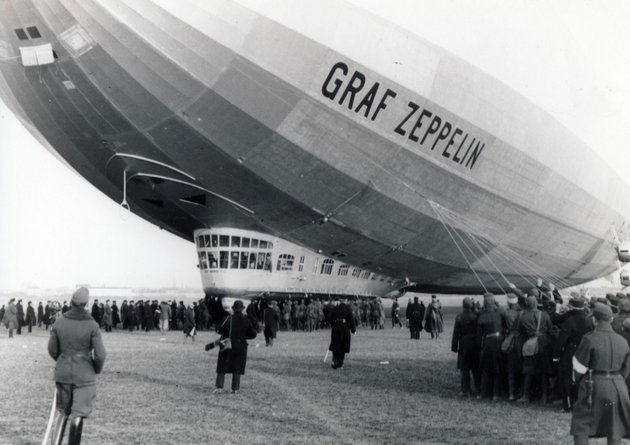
{"x": 238, "y": 328}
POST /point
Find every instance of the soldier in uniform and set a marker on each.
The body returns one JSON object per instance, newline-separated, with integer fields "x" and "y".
{"x": 464, "y": 342}
{"x": 601, "y": 364}
{"x": 490, "y": 326}
{"x": 575, "y": 325}
{"x": 75, "y": 343}
{"x": 414, "y": 315}
{"x": 395, "y": 314}
{"x": 342, "y": 322}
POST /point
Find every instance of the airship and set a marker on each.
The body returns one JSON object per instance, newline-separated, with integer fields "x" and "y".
{"x": 311, "y": 147}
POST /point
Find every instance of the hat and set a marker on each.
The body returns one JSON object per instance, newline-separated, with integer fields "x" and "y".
{"x": 488, "y": 299}
{"x": 576, "y": 303}
{"x": 534, "y": 292}
{"x": 512, "y": 298}
{"x": 80, "y": 296}
{"x": 238, "y": 305}
{"x": 602, "y": 312}
{"x": 467, "y": 303}
{"x": 532, "y": 302}
{"x": 624, "y": 305}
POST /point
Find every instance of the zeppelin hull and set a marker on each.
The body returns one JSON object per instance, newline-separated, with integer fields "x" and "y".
{"x": 250, "y": 124}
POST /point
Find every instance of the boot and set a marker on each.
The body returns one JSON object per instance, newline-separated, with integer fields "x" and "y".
{"x": 60, "y": 429}
{"x": 76, "y": 429}
{"x": 527, "y": 382}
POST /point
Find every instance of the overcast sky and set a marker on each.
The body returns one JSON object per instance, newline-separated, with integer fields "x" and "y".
{"x": 572, "y": 58}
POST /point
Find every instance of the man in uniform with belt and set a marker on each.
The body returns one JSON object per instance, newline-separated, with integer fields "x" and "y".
{"x": 76, "y": 345}
{"x": 342, "y": 322}
{"x": 601, "y": 364}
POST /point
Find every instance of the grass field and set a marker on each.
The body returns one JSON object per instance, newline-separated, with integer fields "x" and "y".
{"x": 155, "y": 391}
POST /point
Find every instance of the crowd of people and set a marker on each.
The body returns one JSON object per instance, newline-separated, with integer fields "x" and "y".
{"x": 524, "y": 351}
{"x": 531, "y": 349}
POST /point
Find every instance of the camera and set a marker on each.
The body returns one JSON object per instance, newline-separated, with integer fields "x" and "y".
{"x": 214, "y": 344}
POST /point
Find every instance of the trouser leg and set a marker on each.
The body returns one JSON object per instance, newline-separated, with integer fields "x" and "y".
{"x": 236, "y": 381}
{"x": 527, "y": 383}
{"x": 512, "y": 385}
{"x": 220, "y": 380}
{"x": 465, "y": 380}
{"x": 76, "y": 430}
{"x": 496, "y": 386}
{"x": 485, "y": 385}
{"x": 340, "y": 358}
{"x": 545, "y": 388}
{"x": 59, "y": 428}
{"x": 10, "y": 332}
{"x": 580, "y": 440}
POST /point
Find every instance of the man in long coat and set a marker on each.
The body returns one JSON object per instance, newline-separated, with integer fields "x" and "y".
{"x": 20, "y": 316}
{"x": 342, "y": 322}
{"x": 414, "y": 314}
{"x": 30, "y": 317}
{"x": 10, "y": 317}
{"x": 75, "y": 344}
{"x": 115, "y": 315}
{"x": 40, "y": 314}
{"x": 464, "y": 343}
{"x": 535, "y": 323}
{"x": 238, "y": 328}
{"x": 490, "y": 327}
{"x": 573, "y": 328}
{"x": 601, "y": 363}
{"x": 271, "y": 319}
{"x": 96, "y": 313}
{"x": 433, "y": 322}
{"x": 107, "y": 317}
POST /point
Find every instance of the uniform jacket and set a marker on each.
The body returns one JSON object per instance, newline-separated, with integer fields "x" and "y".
{"x": 608, "y": 413}
{"x": 10, "y": 316}
{"x": 75, "y": 343}
{"x": 464, "y": 340}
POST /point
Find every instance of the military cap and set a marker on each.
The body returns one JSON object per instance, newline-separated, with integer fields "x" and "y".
{"x": 512, "y": 298}
{"x": 602, "y": 311}
{"x": 80, "y": 296}
{"x": 238, "y": 305}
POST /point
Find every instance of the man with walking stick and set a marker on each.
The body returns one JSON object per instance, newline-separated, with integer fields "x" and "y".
{"x": 76, "y": 344}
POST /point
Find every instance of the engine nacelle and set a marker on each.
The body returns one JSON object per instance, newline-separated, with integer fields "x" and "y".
{"x": 624, "y": 277}
{"x": 624, "y": 251}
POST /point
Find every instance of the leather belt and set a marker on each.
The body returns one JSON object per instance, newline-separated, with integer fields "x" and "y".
{"x": 606, "y": 373}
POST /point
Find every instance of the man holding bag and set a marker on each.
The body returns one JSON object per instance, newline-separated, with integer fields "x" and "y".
{"x": 238, "y": 328}
{"x": 535, "y": 326}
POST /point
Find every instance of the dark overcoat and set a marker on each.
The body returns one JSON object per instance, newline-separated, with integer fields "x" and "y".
{"x": 609, "y": 413}
{"x": 271, "y": 322}
{"x": 490, "y": 326}
{"x": 464, "y": 340}
{"x": 239, "y": 328}
{"x": 75, "y": 343}
{"x": 343, "y": 325}
{"x": 541, "y": 362}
